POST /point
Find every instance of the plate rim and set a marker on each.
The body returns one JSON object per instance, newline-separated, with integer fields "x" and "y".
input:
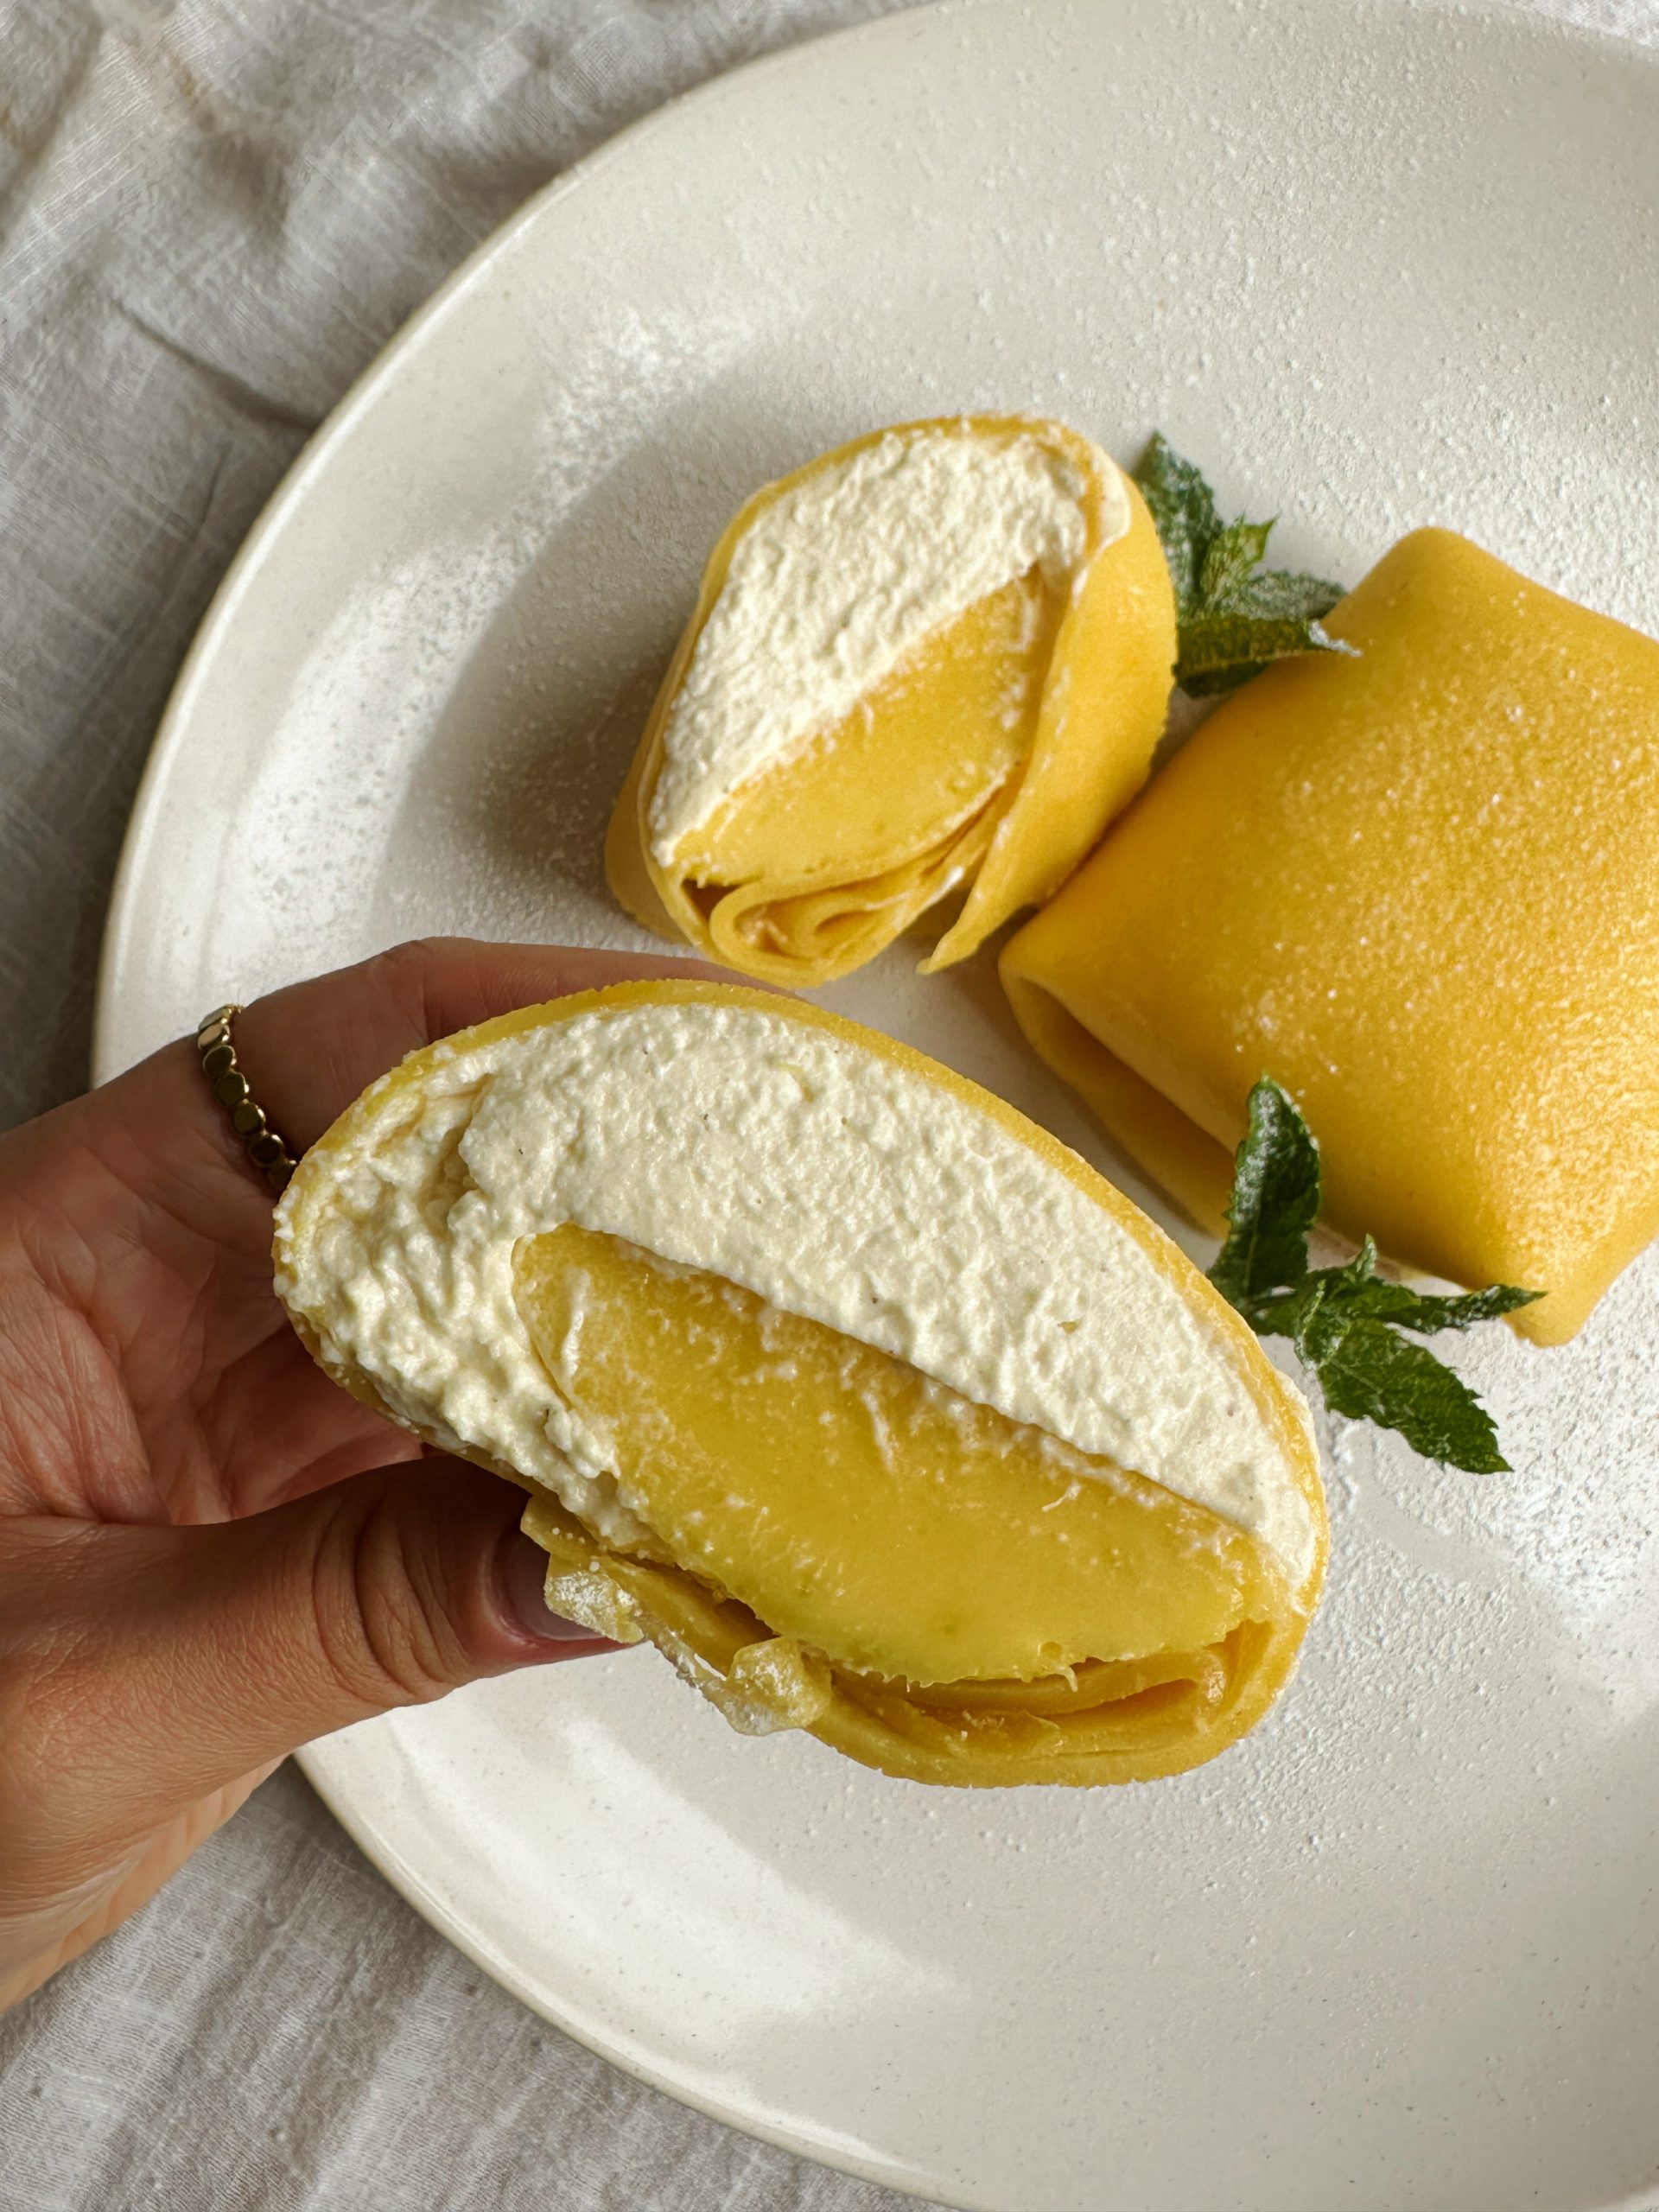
{"x": 315, "y": 1759}
{"x": 310, "y": 1758}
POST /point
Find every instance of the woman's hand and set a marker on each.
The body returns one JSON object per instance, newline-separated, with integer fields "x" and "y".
{"x": 208, "y": 1553}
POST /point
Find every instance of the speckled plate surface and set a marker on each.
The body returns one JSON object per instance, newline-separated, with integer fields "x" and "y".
{"x": 1378, "y": 265}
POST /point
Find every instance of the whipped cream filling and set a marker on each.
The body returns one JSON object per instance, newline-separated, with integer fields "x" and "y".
{"x": 833, "y": 584}
{"x": 812, "y": 1171}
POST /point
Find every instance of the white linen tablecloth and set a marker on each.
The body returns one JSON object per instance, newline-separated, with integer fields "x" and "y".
{"x": 213, "y": 214}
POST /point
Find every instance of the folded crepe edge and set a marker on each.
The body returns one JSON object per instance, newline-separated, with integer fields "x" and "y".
{"x": 1072, "y": 785}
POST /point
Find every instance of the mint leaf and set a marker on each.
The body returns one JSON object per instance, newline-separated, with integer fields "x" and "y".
{"x": 1184, "y": 509}
{"x": 1358, "y": 1288}
{"x": 1291, "y": 1314}
{"x": 1235, "y": 616}
{"x": 1231, "y": 558}
{"x": 1277, "y": 595}
{"x": 1218, "y": 653}
{"x": 1343, "y": 1320}
{"x": 1370, "y": 1374}
{"x": 1275, "y": 1201}
{"x": 1410, "y": 1309}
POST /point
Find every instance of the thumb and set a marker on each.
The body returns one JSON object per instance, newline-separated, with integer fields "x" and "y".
{"x": 167, "y": 1662}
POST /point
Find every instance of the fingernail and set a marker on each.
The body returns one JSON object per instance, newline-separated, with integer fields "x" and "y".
{"x": 523, "y": 1571}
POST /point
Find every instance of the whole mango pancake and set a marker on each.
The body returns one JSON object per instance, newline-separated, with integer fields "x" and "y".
{"x": 937, "y": 658}
{"x": 1417, "y": 884}
{"x": 873, "y": 1406}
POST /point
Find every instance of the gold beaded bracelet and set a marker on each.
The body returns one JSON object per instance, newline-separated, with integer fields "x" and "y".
{"x": 230, "y": 1086}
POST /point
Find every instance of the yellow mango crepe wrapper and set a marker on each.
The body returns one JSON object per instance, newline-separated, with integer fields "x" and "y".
{"x": 934, "y": 781}
{"x": 1417, "y": 885}
{"x": 828, "y": 1539}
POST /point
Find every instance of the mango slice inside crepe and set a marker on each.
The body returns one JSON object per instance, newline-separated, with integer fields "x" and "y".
{"x": 991, "y": 756}
{"x": 933, "y": 1576}
{"x": 857, "y": 1506}
{"x": 1416, "y": 885}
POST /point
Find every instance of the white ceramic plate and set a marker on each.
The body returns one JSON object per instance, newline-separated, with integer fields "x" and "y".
{"x": 1378, "y": 266}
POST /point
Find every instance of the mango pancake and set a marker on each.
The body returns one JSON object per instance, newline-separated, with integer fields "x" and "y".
{"x": 1416, "y": 885}
{"x": 935, "y": 660}
{"x": 869, "y": 1404}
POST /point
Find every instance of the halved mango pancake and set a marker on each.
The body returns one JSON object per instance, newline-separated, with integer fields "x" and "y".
{"x": 937, "y": 657}
{"x": 870, "y": 1404}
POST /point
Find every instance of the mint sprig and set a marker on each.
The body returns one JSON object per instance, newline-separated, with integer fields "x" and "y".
{"x": 1235, "y": 616}
{"x": 1343, "y": 1321}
